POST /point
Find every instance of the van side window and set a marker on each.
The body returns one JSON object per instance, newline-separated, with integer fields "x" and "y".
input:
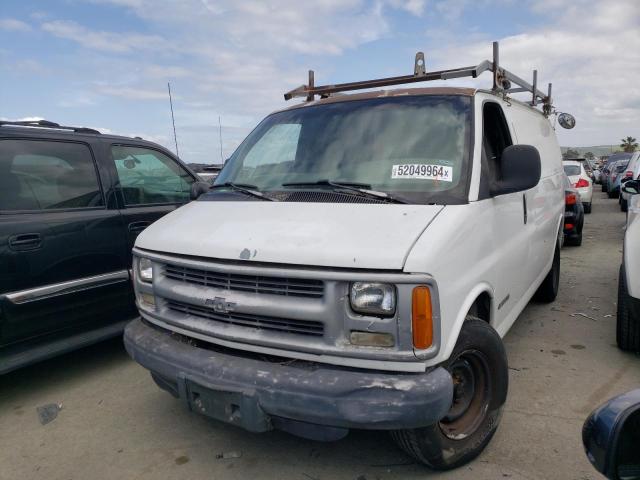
{"x": 46, "y": 175}
{"x": 150, "y": 177}
{"x": 495, "y": 138}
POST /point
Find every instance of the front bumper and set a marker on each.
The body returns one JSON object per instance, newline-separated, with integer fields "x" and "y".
{"x": 306, "y": 399}
{"x": 586, "y": 194}
{"x": 572, "y": 217}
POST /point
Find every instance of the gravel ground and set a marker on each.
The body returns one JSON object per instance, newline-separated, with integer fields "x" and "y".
{"x": 115, "y": 423}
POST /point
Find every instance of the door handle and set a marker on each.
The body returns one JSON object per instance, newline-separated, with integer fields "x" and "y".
{"x": 137, "y": 227}
{"x": 524, "y": 207}
{"x": 25, "y": 242}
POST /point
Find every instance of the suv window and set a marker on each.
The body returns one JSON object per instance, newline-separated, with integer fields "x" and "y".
{"x": 150, "y": 177}
{"x": 495, "y": 138}
{"x": 44, "y": 175}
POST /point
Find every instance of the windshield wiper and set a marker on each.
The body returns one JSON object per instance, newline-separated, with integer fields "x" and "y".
{"x": 245, "y": 188}
{"x": 362, "y": 189}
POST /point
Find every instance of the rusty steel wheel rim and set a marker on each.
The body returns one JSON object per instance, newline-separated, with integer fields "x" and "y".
{"x": 471, "y": 395}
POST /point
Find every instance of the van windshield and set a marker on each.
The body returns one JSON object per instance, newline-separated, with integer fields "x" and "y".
{"x": 414, "y": 146}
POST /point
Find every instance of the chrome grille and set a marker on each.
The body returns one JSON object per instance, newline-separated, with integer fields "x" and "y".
{"x": 294, "y": 287}
{"x": 286, "y": 325}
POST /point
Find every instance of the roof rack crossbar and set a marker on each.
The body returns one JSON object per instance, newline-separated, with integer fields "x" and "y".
{"x": 48, "y": 124}
{"x": 502, "y": 81}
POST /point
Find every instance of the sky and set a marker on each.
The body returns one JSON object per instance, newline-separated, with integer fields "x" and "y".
{"x": 106, "y": 63}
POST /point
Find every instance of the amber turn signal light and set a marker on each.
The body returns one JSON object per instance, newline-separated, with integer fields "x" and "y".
{"x": 422, "y": 318}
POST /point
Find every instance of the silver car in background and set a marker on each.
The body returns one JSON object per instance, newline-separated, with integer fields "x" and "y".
{"x": 632, "y": 173}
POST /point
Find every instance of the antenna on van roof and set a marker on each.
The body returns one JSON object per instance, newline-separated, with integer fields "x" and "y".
{"x": 503, "y": 81}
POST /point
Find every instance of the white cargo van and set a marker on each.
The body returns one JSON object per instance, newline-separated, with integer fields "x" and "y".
{"x": 356, "y": 264}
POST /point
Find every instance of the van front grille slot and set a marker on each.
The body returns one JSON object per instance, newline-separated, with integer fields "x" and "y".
{"x": 261, "y": 322}
{"x": 293, "y": 287}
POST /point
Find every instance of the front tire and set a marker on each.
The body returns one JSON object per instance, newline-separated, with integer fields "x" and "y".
{"x": 627, "y": 327}
{"x": 478, "y": 366}
{"x": 548, "y": 289}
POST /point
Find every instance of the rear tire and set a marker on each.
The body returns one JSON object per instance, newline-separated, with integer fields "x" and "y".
{"x": 481, "y": 380}
{"x": 587, "y": 207}
{"x": 624, "y": 206}
{"x": 574, "y": 240}
{"x": 548, "y": 289}
{"x": 627, "y": 328}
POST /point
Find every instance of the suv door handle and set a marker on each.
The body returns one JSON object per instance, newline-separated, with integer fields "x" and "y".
{"x": 524, "y": 207}
{"x": 137, "y": 227}
{"x": 25, "y": 242}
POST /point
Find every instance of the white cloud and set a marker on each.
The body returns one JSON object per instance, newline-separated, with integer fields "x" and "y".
{"x": 236, "y": 59}
{"x": 14, "y": 25}
{"x": 591, "y": 54}
{"x": 131, "y": 93}
{"x": 105, "y": 41}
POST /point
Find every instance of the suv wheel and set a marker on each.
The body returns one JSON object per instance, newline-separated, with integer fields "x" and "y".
{"x": 478, "y": 366}
{"x": 624, "y": 206}
{"x": 587, "y": 207}
{"x": 548, "y": 289}
{"x": 627, "y": 327}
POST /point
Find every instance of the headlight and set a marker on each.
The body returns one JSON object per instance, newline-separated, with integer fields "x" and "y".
{"x": 373, "y": 298}
{"x": 145, "y": 270}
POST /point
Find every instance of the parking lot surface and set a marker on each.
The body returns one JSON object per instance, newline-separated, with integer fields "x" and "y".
{"x": 115, "y": 422}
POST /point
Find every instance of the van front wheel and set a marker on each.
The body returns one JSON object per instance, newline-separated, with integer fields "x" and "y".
{"x": 478, "y": 367}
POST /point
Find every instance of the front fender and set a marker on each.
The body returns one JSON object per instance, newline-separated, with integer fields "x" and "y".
{"x": 465, "y": 306}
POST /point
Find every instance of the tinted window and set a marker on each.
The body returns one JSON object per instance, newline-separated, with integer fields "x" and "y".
{"x": 148, "y": 176}
{"x": 572, "y": 170}
{"x": 414, "y": 145}
{"x": 44, "y": 175}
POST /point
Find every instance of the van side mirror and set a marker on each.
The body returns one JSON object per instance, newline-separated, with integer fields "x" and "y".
{"x": 611, "y": 436}
{"x": 198, "y": 188}
{"x": 632, "y": 187}
{"x": 520, "y": 167}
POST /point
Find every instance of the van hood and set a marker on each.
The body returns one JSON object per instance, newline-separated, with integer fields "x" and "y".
{"x": 371, "y": 236}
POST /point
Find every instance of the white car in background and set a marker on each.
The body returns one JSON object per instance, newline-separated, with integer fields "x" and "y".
{"x": 581, "y": 181}
{"x": 628, "y": 315}
{"x": 631, "y": 173}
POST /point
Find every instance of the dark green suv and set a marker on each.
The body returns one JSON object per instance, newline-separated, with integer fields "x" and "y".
{"x": 72, "y": 202}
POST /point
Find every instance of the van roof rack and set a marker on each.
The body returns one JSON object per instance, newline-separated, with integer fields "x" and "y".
{"x": 503, "y": 81}
{"x": 48, "y": 124}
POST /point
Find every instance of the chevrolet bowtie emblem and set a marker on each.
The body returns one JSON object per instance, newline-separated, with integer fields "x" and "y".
{"x": 220, "y": 304}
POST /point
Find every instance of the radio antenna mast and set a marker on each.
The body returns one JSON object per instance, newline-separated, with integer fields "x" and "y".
{"x": 173, "y": 122}
{"x": 220, "y": 131}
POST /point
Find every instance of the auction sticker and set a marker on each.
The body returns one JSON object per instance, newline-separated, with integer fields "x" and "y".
{"x": 423, "y": 172}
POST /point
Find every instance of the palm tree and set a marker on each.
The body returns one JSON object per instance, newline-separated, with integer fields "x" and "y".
{"x": 629, "y": 144}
